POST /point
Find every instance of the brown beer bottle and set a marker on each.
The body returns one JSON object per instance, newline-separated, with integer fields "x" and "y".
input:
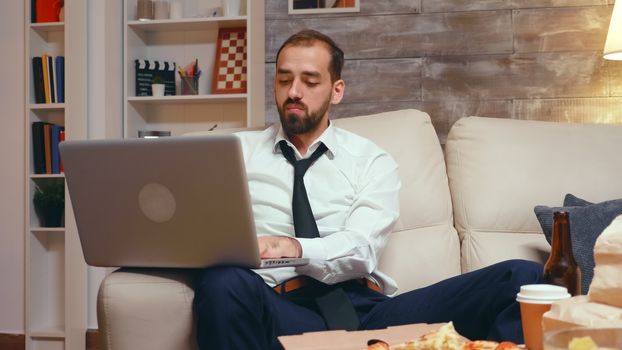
{"x": 561, "y": 268}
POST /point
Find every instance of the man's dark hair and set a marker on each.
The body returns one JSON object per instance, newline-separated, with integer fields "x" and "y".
{"x": 308, "y": 37}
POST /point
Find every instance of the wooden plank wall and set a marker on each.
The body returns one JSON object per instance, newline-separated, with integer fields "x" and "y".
{"x": 521, "y": 59}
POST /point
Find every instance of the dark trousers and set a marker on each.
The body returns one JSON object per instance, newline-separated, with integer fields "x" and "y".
{"x": 236, "y": 310}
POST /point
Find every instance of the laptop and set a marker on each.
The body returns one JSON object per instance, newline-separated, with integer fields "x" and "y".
{"x": 178, "y": 202}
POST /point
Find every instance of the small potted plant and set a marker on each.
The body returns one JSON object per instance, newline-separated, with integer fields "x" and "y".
{"x": 157, "y": 86}
{"x": 49, "y": 204}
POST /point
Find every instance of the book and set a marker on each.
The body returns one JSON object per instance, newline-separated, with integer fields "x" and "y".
{"x": 55, "y": 136}
{"x": 33, "y": 11}
{"x": 48, "y": 10}
{"x": 60, "y": 79}
{"x": 47, "y": 146}
{"x": 46, "y": 78}
{"x": 38, "y": 149}
{"x": 51, "y": 79}
{"x": 62, "y": 138}
{"x": 37, "y": 79}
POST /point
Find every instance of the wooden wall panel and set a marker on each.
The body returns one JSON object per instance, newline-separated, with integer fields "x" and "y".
{"x": 444, "y": 112}
{"x": 615, "y": 77}
{"x": 382, "y": 80}
{"x": 278, "y": 9}
{"x": 397, "y": 36}
{"x": 400, "y": 80}
{"x": 561, "y": 29}
{"x": 544, "y": 75}
{"x": 477, "y": 5}
{"x": 574, "y": 110}
{"x": 523, "y": 59}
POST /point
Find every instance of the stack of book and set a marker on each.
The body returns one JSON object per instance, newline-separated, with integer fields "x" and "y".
{"x": 45, "y": 140}
{"x": 49, "y": 78}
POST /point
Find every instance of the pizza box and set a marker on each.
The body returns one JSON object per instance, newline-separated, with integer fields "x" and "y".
{"x": 355, "y": 340}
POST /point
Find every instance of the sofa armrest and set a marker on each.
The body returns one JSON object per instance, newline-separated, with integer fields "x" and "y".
{"x": 147, "y": 309}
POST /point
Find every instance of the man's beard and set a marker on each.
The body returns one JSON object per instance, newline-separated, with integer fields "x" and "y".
{"x": 309, "y": 121}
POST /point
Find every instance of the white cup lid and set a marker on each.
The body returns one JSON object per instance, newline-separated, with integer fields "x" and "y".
{"x": 541, "y": 293}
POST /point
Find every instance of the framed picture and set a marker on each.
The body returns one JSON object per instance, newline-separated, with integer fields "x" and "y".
{"x": 230, "y": 65}
{"x": 322, "y": 6}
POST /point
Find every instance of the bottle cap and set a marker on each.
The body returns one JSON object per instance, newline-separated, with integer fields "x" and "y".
{"x": 541, "y": 293}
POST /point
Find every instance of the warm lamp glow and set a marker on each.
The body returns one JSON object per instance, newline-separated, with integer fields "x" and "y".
{"x": 613, "y": 45}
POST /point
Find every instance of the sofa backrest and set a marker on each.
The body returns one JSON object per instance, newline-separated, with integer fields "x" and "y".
{"x": 499, "y": 169}
{"x": 424, "y": 247}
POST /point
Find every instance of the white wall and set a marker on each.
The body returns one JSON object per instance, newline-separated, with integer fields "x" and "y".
{"x": 12, "y": 69}
{"x": 105, "y": 98}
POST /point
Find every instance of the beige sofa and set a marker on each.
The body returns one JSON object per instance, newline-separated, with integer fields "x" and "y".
{"x": 461, "y": 209}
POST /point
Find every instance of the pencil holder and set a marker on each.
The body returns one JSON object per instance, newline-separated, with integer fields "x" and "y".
{"x": 190, "y": 85}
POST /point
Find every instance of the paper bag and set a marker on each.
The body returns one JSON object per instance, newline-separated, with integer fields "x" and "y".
{"x": 579, "y": 311}
{"x": 606, "y": 286}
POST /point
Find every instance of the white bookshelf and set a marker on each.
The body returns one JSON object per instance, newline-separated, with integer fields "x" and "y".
{"x": 185, "y": 40}
{"x": 55, "y": 283}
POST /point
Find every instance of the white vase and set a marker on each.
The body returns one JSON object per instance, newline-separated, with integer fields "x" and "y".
{"x": 231, "y": 8}
{"x": 157, "y": 90}
{"x": 176, "y": 10}
{"x": 160, "y": 9}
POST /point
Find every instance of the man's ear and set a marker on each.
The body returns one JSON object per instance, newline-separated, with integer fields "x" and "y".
{"x": 338, "y": 89}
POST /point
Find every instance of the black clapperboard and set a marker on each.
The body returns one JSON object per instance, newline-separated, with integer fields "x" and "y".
{"x": 147, "y": 70}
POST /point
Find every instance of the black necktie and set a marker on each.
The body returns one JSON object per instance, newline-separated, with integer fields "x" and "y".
{"x": 304, "y": 222}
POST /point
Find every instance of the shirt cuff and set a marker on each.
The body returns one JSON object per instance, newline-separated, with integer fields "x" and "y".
{"x": 312, "y": 248}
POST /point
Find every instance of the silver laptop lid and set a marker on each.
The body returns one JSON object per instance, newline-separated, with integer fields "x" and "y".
{"x": 167, "y": 202}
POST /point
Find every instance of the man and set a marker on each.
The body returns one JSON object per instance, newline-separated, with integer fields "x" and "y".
{"x": 350, "y": 187}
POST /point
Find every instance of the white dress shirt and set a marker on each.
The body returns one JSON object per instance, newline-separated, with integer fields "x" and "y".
{"x": 353, "y": 190}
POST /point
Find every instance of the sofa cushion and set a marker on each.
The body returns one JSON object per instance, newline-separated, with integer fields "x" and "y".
{"x": 571, "y": 200}
{"x": 587, "y": 222}
{"x": 545, "y": 214}
{"x": 500, "y": 169}
{"x": 425, "y": 225}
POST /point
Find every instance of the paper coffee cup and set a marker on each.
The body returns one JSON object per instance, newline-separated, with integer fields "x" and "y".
{"x": 535, "y": 300}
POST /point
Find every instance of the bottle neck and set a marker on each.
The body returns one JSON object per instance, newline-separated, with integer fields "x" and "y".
{"x": 561, "y": 244}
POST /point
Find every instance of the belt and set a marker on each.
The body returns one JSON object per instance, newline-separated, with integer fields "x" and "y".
{"x": 302, "y": 281}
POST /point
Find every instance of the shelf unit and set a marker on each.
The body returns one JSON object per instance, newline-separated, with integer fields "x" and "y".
{"x": 182, "y": 41}
{"x": 55, "y": 281}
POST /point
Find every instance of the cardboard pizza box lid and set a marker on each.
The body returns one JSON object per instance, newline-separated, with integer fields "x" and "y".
{"x": 355, "y": 340}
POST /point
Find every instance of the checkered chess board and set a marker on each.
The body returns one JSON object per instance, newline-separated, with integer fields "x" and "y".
{"x": 231, "y": 62}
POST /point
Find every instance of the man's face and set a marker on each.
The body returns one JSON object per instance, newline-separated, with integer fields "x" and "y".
{"x": 303, "y": 89}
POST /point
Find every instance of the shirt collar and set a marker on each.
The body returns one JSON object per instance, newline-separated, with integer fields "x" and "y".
{"x": 328, "y": 138}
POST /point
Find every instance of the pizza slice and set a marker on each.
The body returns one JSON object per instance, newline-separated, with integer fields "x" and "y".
{"x": 445, "y": 338}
